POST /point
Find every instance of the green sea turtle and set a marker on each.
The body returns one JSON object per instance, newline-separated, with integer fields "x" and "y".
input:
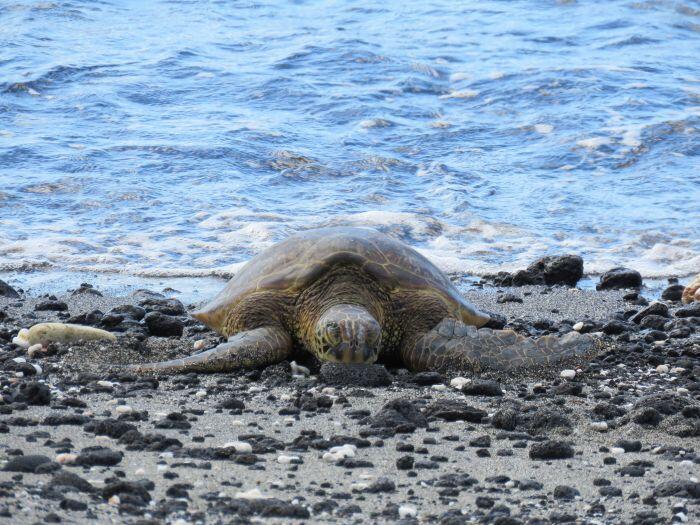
{"x": 355, "y": 295}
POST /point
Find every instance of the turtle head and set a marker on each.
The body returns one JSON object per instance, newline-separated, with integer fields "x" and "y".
{"x": 347, "y": 333}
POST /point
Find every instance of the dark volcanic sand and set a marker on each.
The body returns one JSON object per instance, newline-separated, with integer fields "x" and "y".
{"x": 617, "y": 444}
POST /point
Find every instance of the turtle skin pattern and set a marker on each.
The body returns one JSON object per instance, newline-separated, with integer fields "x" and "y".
{"x": 452, "y": 345}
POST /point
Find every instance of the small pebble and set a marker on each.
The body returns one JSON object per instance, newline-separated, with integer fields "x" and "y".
{"x": 286, "y": 460}
{"x": 299, "y": 370}
{"x": 459, "y": 382}
{"x": 35, "y": 349}
{"x": 114, "y": 500}
{"x": 578, "y": 326}
{"x": 406, "y": 511}
{"x": 662, "y": 369}
{"x": 567, "y": 374}
{"x": 251, "y": 494}
{"x": 66, "y": 458}
{"x": 617, "y": 450}
{"x": 124, "y": 409}
{"x": 241, "y": 447}
{"x": 200, "y": 394}
{"x": 335, "y": 454}
{"x": 599, "y": 426}
{"x": 199, "y": 345}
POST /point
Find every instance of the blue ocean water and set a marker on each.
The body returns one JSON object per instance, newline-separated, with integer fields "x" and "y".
{"x": 179, "y": 138}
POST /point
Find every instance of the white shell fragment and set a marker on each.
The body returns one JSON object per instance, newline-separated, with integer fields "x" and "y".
{"x": 567, "y": 374}
{"x": 335, "y": 454}
{"x": 241, "y": 447}
{"x": 44, "y": 333}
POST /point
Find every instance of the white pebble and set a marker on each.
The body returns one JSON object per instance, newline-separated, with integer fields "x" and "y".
{"x": 65, "y": 459}
{"x": 578, "y": 326}
{"x": 662, "y": 369}
{"x": 459, "y": 382}
{"x": 286, "y": 460}
{"x": 299, "y": 370}
{"x": 335, "y": 454}
{"x": 200, "y": 394}
{"x": 251, "y": 494}
{"x": 22, "y": 338}
{"x": 439, "y": 388}
{"x": 677, "y": 370}
{"x": 124, "y": 409}
{"x": 114, "y": 500}
{"x": 329, "y": 391}
{"x": 682, "y": 390}
{"x": 617, "y": 450}
{"x": 241, "y": 447}
{"x": 103, "y": 439}
{"x": 140, "y": 472}
{"x": 34, "y": 349}
{"x": 406, "y": 511}
{"x": 199, "y": 345}
{"x": 19, "y": 360}
{"x": 599, "y": 426}
{"x": 105, "y": 384}
{"x": 38, "y": 368}
{"x": 567, "y": 374}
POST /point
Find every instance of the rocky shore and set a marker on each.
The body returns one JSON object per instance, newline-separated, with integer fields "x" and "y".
{"x": 613, "y": 440}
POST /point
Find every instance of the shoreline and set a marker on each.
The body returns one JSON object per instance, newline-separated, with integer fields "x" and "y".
{"x": 253, "y": 444}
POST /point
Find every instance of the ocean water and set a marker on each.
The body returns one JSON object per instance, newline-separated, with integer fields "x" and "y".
{"x": 180, "y": 138}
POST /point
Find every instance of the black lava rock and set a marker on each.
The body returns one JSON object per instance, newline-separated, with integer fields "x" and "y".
{"x": 51, "y": 305}
{"x": 482, "y": 387}
{"x": 101, "y": 456}
{"x": 505, "y": 419}
{"x": 454, "y": 410}
{"x": 63, "y": 481}
{"x": 655, "y": 308}
{"x": 565, "y": 492}
{"x": 427, "y": 378}
{"x": 129, "y": 311}
{"x": 509, "y": 298}
{"x": 28, "y": 463}
{"x": 629, "y": 445}
{"x": 136, "y": 492}
{"x": 692, "y": 310}
{"x": 560, "y": 269}
{"x": 405, "y": 463}
{"x": 399, "y": 415}
{"x": 164, "y": 306}
{"x": 7, "y": 291}
{"x": 163, "y": 325}
{"x": 33, "y": 394}
{"x": 551, "y": 450}
{"x": 653, "y": 322}
{"x": 359, "y": 375}
{"x": 673, "y": 293}
{"x": 109, "y": 427}
{"x": 681, "y": 488}
{"x": 619, "y": 278}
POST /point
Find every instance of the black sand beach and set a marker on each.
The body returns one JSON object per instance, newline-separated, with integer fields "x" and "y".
{"x": 614, "y": 440}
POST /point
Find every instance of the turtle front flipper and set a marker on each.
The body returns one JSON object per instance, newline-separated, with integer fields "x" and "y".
{"x": 452, "y": 345}
{"x": 245, "y": 350}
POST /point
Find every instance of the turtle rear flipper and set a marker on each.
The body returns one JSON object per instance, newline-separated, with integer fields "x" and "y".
{"x": 452, "y": 345}
{"x": 245, "y": 350}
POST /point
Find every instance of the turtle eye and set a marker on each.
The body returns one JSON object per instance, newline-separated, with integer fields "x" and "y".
{"x": 333, "y": 332}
